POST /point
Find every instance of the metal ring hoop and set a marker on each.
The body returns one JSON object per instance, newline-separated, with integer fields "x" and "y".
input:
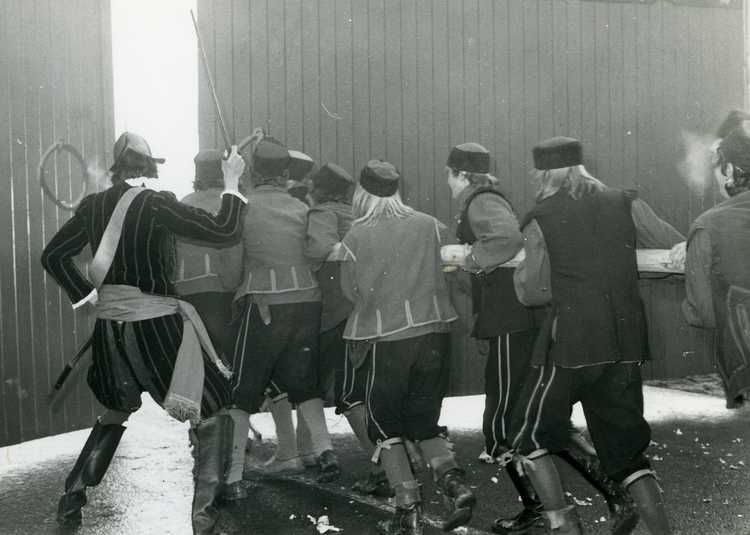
{"x": 256, "y": 136}
{"x": 54, "y": 149}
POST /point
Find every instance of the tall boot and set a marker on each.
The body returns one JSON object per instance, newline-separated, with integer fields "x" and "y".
{"x": 621, "y": 508}
{"x": 563, "y": 521}
{"x": 286, "y": 458}
{"x": 90, "y": 467}
{"x": 304, "y": 443}
{"x": 458, "y": 499}
{"x": 233, "y": 489}
{"x": 530, "y": 515}
{"x": 407, "y": 519}
{"x": 312, "y": 411}
{"x": 646, "y": 494}
{"x": 376, "y": 482}
{"x": 212, "y": 456}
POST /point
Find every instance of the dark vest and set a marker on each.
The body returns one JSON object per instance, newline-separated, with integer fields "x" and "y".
{"x": 597, "y": 309}
{"x": 494, "y": 300}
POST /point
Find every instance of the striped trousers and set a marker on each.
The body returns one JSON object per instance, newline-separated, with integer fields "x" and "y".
{"x": 508, "y": 365}
{"x": 139, "y": 356}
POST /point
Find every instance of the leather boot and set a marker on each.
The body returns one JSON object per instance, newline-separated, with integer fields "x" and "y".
{"x": 457, "y": 497}
{"x": 530, "y": 515}
{"x": 563, "y": 522}
{"x": 621, "y": 508}
{"x": 375, "y": 484}
{"x": 647, "y": 497}
{"x": 405, "y": 521}
{"x": 213, "y": 451}
{"x": 90, "y": 467}
{"x": 407, "y": 518}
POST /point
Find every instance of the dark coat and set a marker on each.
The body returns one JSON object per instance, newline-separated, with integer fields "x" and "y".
{"x": 132, "y": 357}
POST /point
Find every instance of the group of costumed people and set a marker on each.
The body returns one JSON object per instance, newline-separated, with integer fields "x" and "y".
{"x": 333, "y": 289}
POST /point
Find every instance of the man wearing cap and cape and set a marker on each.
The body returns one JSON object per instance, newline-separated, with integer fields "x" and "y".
{"x": 488, "y": 227}
{"x": 580, "y": 242}
{"x": 400, "y": 325}
{"x": 144, "y": 338}
{"x": 717, "y": 277}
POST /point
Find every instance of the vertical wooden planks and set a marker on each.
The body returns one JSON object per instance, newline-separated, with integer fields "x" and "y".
{"x": 276, "y": 27}
{"x": 223, "y": 66}
{"x": 472, "y": 106}
{"x": 410, "y": 142}
{"x": 242, "y": 111}
{"x": 259, "y": 56}
{"x": 502, "y": 130}
{"x": 617, "y": 112}
{"x": 426, "y": 109}
{"x": 516, "y": 104}
{"x": 486, "y": 105}
{"x": 328, "y": 106}
{"x": 630, "y": 69}
{"x": 207, "y": 121}
{"x": 376, "y": 61}
{"x": 344, "y": 84}
{"x": 360, "y": 83}
{"x": 301, "y": 70}
{"x": 8, "y": 363}
{"x": 441, "y": 98}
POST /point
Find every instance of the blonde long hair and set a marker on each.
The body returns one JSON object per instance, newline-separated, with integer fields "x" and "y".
{"x": 368, "y": 209}
{"x": 576, "y": 181}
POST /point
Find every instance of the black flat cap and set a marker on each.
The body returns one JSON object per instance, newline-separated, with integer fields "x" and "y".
{"x": 379, "y": 178}
{"x": 469, "y": 157}
{"x": 558, "y": 152}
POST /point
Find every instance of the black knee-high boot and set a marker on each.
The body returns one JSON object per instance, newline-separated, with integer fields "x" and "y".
{"x": 90, "y": 467}
{"x": 212, "y": 452}
{"x": 532, "y": 508}
{"x": 621, "y": 508}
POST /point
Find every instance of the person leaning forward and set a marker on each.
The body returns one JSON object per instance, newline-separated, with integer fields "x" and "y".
{"x": 716, "y": 270}
{"x": 580, "y": 257}
{"x": 489, "y": 227}
{"x": 279, "y": 304}
{"x": 400, "y": 324}
{"x": 146, "y": 340}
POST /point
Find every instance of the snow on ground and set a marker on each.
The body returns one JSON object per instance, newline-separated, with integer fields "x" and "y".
{"x": 459, "y": 414}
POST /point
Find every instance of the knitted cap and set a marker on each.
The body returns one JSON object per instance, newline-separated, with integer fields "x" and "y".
{"x": 332, "y": 178}
{"x": 470, "y": 157}
{"x": 270, "y": 158}
{"x": 379, "y": 178}
{"x": 558, "y": 152}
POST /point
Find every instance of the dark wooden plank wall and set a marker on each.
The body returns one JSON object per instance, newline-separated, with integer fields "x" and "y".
{"x": 349, "y": 80}
{"x": 55, "y": 83}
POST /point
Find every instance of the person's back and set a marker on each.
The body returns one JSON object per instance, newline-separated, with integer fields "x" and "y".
{"x": 203, "y": 267}
{"x": 401, "y": 258}
{"x": 728, "y": 225}
{"x": 591, "y": 245}
{"x": 274, "y": 234}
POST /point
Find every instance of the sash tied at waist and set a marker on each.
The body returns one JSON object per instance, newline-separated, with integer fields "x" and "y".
{"x": 118, "y": 302}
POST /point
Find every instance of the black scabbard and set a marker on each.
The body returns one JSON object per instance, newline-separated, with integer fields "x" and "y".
{"x": 69, "y": 367}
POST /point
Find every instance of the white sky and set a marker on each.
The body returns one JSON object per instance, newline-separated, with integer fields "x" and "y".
{"x": 155, "y": 63}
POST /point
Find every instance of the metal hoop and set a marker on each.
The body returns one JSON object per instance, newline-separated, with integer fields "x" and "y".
{"x": 54, "y": 149}
{"x": 256, "y": 136}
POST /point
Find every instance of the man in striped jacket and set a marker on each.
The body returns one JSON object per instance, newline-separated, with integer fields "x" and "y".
{"x": 138, "y": 342}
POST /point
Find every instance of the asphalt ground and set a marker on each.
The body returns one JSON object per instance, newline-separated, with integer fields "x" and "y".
{"x": 700, "y": 450}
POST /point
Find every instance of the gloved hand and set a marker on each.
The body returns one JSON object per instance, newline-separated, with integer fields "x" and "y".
{"x": 232, "y": 168}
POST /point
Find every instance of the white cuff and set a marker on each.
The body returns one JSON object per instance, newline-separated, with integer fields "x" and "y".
{"x": 92, "y": 297}
{"x": 236, "y": 193}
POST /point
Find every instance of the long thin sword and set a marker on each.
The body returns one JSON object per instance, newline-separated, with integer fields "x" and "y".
{"x": 217, "y": 107}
